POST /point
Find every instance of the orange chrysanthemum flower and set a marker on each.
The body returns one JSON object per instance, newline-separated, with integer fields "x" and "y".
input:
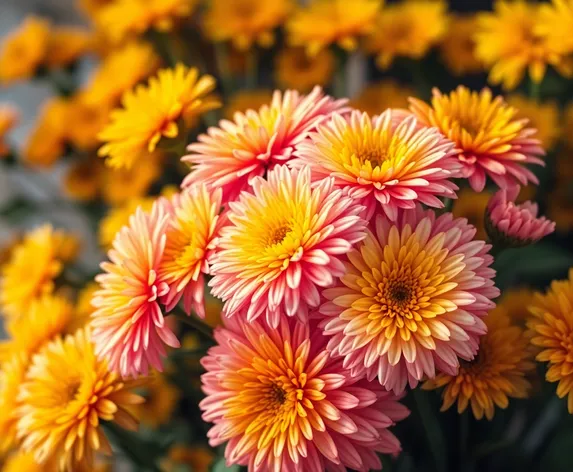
{"x": 551, "y": 328}
{"x": 12, "y": 374}
{"x": 66, "y": 394}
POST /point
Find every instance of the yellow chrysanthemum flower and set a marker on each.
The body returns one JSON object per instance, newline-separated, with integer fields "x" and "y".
{"x": 161, "y": 398}
{"x": 83, "y": 179}
{"x": 66, "y": 44}
{"x": 294, "y": 69}
{"x": 119, "y": 72}
{"x": 567, "y": 121}
{"x": 23, "y": 462}
{"x": 197, "y": 458}
{"x": 23, "y": 50}
{"x": 47, "y": 141}
{"x": 375, "y": 98}
{"x": 556, "y": 24}
{"x": 125, "y": 18}
{"x": 89, "y": 120}
{"x": 120, "y": 185}
{"x": 508, "y": 43}
{"x": 244, "y": 22}
{"x": 457, "y": 48}
{"x": 67, "y": 392}
{"x": 497, "y": 373}
{"x": 162, "y": 109}
{"x": 117, "y": 217}
{"x": 8, "y": 119}
{"x": 34, "y": 265}
{"x": 472, "y": 205}
{"x": 542, "y": 116}
{"x": 326, "y": 22}
{"x": 245, "y": 100}
{"x": 516, "y": 301}
{"x": 12, "y": 374}
{"x": 407, "y": 29}
{"x": 83, "y": 307}
{"x": 551, "y": 325}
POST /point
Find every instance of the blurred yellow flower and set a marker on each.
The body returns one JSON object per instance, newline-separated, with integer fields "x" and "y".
{"x": 122, "y": 19}
{"x": 83, "y": 308}
{"x": 89, "y": 120}
{"x": 244, "y": 22}
{"x": 472, "y": 205}
{"x": 23, "y": 50}
{"x": 12, "y": 373}
{"x": 197, "y": 458}
{"x": 66, "y": 44}
{"x": 46, "y": 143}
{"x": 161, "y": 398}
{"x": 560, "y": 206}
{"x": 213, "y": 309}
{"x": 326, "y": 22}
{"x": 497, "y": 373}
{"x": 162, "y": 109}
{"x": 117, "y": 217}
{"x": 247, "y": 100}
{"x": 379, "y": 96}
{"x": 294, "y": 69}
{"x": 33, "y": 267}
{"x": 8, "y": 119}
{"x": 568, "y": 126}
{"x": 92, "y": 7}
{"x": 23, "y": 462}
{"x": 542, "y": 116}
{"x": 509, "y": 44}
{"x": 407, "y": 29}
{"x": 457, "y": 48}
{"x": 121, "y": 185}
{"x": 119, "y": 72}
{"x": 516, "y": 301}
{"x": 556, "y": 23}
{"x": 83, "y": 179}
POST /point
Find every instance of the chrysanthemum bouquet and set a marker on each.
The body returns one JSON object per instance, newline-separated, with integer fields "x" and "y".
{"x": 294, "y": 281}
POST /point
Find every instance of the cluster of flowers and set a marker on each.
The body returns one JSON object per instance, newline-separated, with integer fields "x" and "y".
{"x": 339, "y": 288}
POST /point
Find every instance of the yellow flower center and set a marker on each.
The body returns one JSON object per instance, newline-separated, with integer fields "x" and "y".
{"x": 376, "y": 156}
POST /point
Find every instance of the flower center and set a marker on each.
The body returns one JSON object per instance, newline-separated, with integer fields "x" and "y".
{"x": 470, "y": 124}
{"x": 278, "y": 235}
{"x": 376, "y": 157}
{"x": 70, "y": 391}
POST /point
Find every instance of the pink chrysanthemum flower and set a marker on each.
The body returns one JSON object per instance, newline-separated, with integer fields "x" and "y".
{"x": 283, "y": 404}
{"x": 128, "y": 327}
{"x": 490, "y": 140}
{"x": 285, "y": 240}
{"x": 515, "y": 225}
{"x": 411, "y": 300}
{"x": 231, "y": 156}
{"x": 191, "y": 240}
{"x": 386, "y": 160}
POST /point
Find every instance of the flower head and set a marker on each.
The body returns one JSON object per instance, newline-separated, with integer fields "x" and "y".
{"x": 377, "y": 97}
{"x": 121, "y": 185}
{"x": 161, "y": 398}
{"x": 555, "y": 23}
{"x": 191, "y": 240}
{"x": 509, "y": 43}
{"x": 412, "y": 299}
{"x": 246, "y": 100}
{"x": 282, "y": 403}
{"x": 382, "y": 160}
{"x": 326, "y": 22}
{"x": 128, "y": 327}
{"x": 457, "y": 48}
{"x": 83, "y": 179}
{"x": 23, "y": 50}
{"x": 490, "y": 140}
{"x": 196, "y": 458}
{"x": 551, "y": 328}
{"x": 296, "y": 70}
{"x": 89, "y": 120}
{"x": 66, "y": 44}
{"x": 497, "y": 373}
{"x": 8, "y": 119}
{"x": 171, "y": 101}
{"x": 544, "y": 117}
{"x": 244, "y": 22}
{"x": 407, "y": 29}
{"x": 284, "y": 240}
{"x": 232, "y": 156}
{"x": 33, "y": 267}
{"x": 66, "y": 393}
{"x": 515, "y": 225}
{"x": 12, "y": 375}
{"x": 472, "y": 206}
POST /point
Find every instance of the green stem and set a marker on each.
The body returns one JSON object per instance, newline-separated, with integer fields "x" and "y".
{"x": 195, "y": 323}
{"x": 534, "y": 90}
{"x": 252, "y": 68}
{"x": 431, "y": 425}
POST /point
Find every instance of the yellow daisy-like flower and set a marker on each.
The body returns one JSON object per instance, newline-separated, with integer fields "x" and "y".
{"x": 457, "y": 48}
{"x": 23, "y": 462}
{"x": 67, "y": 392}
{"x": 294, "y": 69}
{"x": 407, "y": 29}
{"x": 23, "y": 50}
{"x": 551, "y": 325}
{"x": 46, "y": 143}
{"x": 375, "y": 98}
{"x": 498, "y": 372}
{"x": 245, "y": 100}
{"x": 66, "y": 44}
{"x": 8, "y": 119}
{"x": 161, "y": 398}
{"x": 117, "y": 217}
{"x": 197, "y": 458}
{"x": 83, "y": 307}
{"x": 509, "y": 44}
{"x": 83, "y": 179}
{"x": 34, "y": 265}
{"x": 125, "y": 18}
{"x": 472, "y": 206}
{"x": 12, "y": 374}
{"x": 121, "y": 185}
{"x": 244, "y": 22}
{"x": 556, "y": 23}
{"x": 542, "y": 116}
{"x": 119, "y": 72}
{"x": 162, "y": 109}
{"x": 326, "y": 22}
{"x": 89, "y": 120}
